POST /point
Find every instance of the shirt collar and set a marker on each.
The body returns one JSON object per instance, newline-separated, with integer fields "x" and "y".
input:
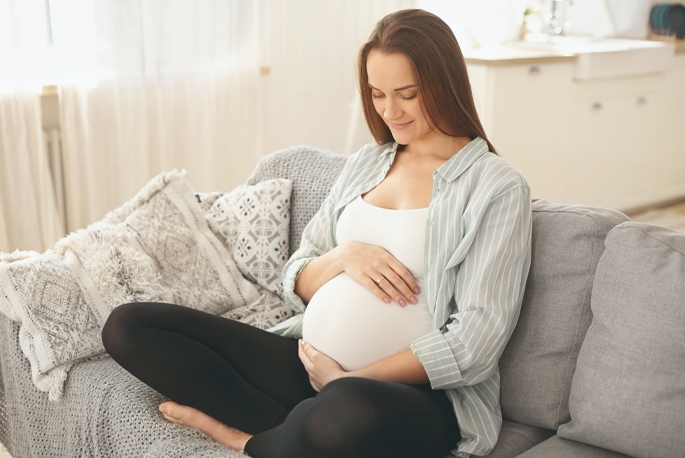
{"x": 457, "y": 164}
{"x": 460, "y": 162}
{"x": 389, "y": 148}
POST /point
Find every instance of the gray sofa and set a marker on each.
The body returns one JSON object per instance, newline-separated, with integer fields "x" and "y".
{"x": 595, "y": 367}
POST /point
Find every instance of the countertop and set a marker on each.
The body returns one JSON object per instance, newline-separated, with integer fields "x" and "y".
{"x": 501, "y": 54}
{"x": 507, "y": 55}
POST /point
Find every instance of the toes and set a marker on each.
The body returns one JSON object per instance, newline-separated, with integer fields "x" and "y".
{"x": 171, "y": 411}
{"x": 171, "y": 419}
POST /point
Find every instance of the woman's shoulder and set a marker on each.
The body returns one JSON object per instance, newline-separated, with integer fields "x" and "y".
{"x": 497, "y": 172}
{"x": 373, "y": 151}
{"x": 367, "y": 157}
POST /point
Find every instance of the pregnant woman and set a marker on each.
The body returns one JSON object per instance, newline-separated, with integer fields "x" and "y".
{"x": 407, "y": 284}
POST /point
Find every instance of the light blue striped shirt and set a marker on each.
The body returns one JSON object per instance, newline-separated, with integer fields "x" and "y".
{"x": 478, "y": 249}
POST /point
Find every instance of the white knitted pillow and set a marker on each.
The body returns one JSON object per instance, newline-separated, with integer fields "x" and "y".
{"x": 253, "y": 222}
{"x": 156, "y": 247}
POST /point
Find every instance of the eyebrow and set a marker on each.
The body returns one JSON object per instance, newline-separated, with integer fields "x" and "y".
{"x": 398, "y": 89}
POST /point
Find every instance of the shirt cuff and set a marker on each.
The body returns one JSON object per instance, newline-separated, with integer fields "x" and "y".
{"x": 289, "y": 279}
{"x": 433, "y": 351}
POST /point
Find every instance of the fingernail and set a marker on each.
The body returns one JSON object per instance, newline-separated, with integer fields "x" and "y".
{"x": 402, "y": 303}
{"x": 302, "y": 343}
{"x": 413, "y": 300}
{"x": 386, "y": 300}
{"x": 162, "y": 409}
{"x": 416, "y": 290}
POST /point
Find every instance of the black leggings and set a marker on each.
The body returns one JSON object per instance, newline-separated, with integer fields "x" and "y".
{"x": 253, "y": 380}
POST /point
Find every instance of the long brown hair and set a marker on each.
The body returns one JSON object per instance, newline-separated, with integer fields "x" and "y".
{"x": 439, "y": 68}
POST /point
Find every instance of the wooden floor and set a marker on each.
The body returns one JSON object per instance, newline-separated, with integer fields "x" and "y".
{"x": 672, "y": 217}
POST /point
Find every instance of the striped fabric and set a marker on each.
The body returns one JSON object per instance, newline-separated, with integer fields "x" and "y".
{"x": 478, "y": 249}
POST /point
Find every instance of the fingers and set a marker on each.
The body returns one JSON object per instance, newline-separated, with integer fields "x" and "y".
{"x": 381, "y": 273}
{"x": 308, "y": 364}
{"x": 396, "y": 287}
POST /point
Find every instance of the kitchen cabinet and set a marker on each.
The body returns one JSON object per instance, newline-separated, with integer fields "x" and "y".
{"x": 614, "y": 143}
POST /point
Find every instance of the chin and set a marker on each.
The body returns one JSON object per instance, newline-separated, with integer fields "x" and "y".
{"x": 402, "y": 138}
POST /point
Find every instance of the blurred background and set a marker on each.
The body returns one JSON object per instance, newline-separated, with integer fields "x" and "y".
{"x": 99, "y": 96}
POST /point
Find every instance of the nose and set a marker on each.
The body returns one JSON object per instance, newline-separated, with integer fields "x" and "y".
{"x": 392, "y": 109}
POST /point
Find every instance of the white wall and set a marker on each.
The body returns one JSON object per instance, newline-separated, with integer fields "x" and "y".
{"x": 311, "y": 50}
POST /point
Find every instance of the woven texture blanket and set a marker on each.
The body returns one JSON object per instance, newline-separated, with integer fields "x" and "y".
{"x": 106, "y": 412}
{"x": 156, "y": 247}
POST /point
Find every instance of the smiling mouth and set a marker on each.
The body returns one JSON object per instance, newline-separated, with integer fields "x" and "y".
{"x": 399, "y": 126}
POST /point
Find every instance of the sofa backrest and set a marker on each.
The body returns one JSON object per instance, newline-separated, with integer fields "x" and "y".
{"x": 539, "y": 361}
{"x": 312, "y": 172}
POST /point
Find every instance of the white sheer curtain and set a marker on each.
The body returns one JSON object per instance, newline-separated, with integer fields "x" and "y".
{"x": 27, "y": 199}
{"x": 28, "y": 211}
{"x": 206, "y": 85}
{"x": 166, "y": 84}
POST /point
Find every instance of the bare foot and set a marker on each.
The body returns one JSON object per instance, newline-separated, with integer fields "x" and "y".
{"x": 193, "y": 418}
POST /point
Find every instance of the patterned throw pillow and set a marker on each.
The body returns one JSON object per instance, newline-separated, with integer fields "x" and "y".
{"x": 253, "y": 222}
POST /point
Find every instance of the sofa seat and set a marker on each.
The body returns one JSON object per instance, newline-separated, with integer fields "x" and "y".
{"x": 558, "y": 447}
{"x": 106, "y": 412}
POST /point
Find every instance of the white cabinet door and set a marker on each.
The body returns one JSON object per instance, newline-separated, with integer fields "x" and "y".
{"x": 614, "y": 145}
{"x": 524, "y": 111}
{"x": 672, "y": 171}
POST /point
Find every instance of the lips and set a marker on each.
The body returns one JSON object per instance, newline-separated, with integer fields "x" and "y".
{"x": 399, "y": 126}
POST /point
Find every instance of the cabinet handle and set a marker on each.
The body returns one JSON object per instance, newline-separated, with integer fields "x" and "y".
{"x": 534, "y": 70}
{"x": 596, "y": 106}
{"x": 642, "y": 100}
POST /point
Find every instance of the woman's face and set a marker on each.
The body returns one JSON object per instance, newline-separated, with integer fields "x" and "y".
{"x": 396, "y": 97}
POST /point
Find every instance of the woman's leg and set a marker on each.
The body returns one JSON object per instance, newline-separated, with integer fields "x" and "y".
{"x": 363, "y": 418}
{"x": 242, "y": 376}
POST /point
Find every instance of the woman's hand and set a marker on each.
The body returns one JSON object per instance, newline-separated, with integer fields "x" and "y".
{"x": 321, "y": 369}
{"x": 367, "y": 264}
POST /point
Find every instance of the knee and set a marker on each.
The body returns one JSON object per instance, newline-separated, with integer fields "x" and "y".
{"x": 343, "y": 415}
{"x": 118, "y": 333}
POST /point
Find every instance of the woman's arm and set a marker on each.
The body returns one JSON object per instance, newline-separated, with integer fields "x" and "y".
{"x": 489, "y": 281}
{"x": 401, "y": 368}
{"x": 363, "y": 263}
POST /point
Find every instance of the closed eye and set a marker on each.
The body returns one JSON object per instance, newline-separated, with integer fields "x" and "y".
{"x": 380, "y": 96}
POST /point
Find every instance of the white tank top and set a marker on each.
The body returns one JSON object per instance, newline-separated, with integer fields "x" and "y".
{"x": 346, "y": 321}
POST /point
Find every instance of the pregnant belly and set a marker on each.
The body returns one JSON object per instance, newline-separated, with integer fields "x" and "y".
{"x": 345, "y": 321}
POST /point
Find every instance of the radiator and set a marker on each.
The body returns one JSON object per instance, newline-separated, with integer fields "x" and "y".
{"x": 53, "y": 148}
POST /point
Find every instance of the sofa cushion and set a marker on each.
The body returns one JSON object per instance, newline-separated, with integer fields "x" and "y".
{"x": 561, "y": 448}
{"x": 628, "y": 392}
{"x": 538, "y": 363}
{"x": 515, "y": 438}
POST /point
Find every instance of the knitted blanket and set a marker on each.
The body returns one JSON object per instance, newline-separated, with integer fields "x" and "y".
{"x": 156, "y": 247}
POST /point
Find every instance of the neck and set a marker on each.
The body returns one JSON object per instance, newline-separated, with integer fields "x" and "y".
{"x": 437, "y": 145}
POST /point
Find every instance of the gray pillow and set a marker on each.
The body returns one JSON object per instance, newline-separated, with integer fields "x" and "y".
{"x": 538, "y": 363}
{"x": 253, "y": 224}
{"x": 628, "y": 392}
